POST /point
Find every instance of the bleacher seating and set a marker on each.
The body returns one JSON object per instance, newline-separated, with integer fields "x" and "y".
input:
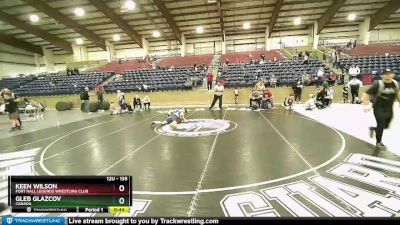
{"x": 59, "y": 84}
{"x": 178, "y": 61}
{"x": 378, "y": 49}
{"x": 243, "y": 57}
{"x": 242, "y": 75}
{"x": 120, "y": 67}
{"x": 12, "y": 83}
{"x": 155, "y": 80}
{"x": 369, "y": 64}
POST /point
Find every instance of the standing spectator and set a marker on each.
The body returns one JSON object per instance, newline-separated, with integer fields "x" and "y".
{"x": 218, "y": 92}
{"x": 354, "y": 86}
{"x": 320, "y": 73}
{"x": 120, "y": 96}
{"x": 273, "y": 81}
{"x": 260, "y": 87}
{"x": 137, "y": 102}
{"x": 305, "y": 60}
{"x": 297, "y": 89}
{"x": 100, "y": 97}
{"x": 329, "y": 96}
{"x": 210, "y": 78}
{"x": 354, "y": 70}
{"x": 236, "y": 93}
{"x": 146, "y": 102}
{"x": 85, "y": 98}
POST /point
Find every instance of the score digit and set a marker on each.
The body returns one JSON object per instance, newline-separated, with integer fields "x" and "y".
{"x": 121, "y": 188}
{"x": 121, "y": 201}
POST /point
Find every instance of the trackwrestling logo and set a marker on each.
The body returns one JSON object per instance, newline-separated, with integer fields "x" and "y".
{"x": 197, "y": 128}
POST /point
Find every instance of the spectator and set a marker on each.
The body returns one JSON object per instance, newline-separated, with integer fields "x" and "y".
{"x": 310, "y": 103}
{"x": 297, "y": 89}
{"x": 85, "y": 99}
{"x": 255, "y": 97}
{"x": 320, "y": 73}
{"x": 329, "y": 96}
{"x": 288, "y": 102}
{"x": 273, "y": 81}
{"x": 354, "y": 70}
{"x": 320, "y": 99}
{"x": 306, "y": 78}
{"x": 210, "y": 78}
{"x": 114, "y": 108}
{"x": 136, "y": 102}
{"x": 354, "y": 85}
{"x": 268, "y": 98}
{"x": 260, "y": 87}
{"x": 100, "y": 97}
{"x": 146, "y": 102}
{"x": 236, "y": 93}
{"x": 120, "y": 96}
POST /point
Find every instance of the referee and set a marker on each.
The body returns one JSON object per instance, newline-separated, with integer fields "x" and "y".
{"x": 218, "y": 92}
{"x": 383, "y": 92}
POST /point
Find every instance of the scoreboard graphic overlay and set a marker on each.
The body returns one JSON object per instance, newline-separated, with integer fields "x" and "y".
{"x": 91, "y": 194}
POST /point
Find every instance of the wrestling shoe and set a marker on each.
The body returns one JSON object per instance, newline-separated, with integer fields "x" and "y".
{"x": 380, "y": 146}
{"x": 152, "y": 124}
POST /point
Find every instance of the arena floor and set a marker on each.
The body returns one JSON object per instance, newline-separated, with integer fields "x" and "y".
{"x": 233, "y": 162}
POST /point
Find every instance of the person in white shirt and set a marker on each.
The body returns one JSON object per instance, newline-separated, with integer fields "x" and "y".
{"x": 354, "y": 70}
{"x": 236, "y": 93}
{"x": 320, "y": 72}
{"x": 218, "y": 92}
{"x": 310, "y": 103}
{"x": 120, "y": 96}
{"x": 329, "y": 96}
{"x": 354, "y": 86}
{"x": 146, "y": 102}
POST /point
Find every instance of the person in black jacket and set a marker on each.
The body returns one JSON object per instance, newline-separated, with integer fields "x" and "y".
{"x": 383, "y": 92}
{"x": 85, "y": 98}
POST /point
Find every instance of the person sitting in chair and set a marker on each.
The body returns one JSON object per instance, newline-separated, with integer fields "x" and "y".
{"x": 146, "y": 102}
{"x": 255, "y": 97}
{"x": 137, "y": 102}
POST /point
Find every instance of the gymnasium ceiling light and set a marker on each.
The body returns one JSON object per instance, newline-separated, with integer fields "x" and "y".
{"x": 79, "y": 41}
{"x": 199, "y": 30}
{"x": 34, "y": 18}
{"x": 156, "y": 33}
{"x": 116, "y": 37}
{"x": 297, "y": 21}
{"x": 129, "y": 5}
{"x": 351, "y": 16}
{"x": 246, "y": 25}
{"x": 211, "y": 1}
{"x": 79, "y": 12}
